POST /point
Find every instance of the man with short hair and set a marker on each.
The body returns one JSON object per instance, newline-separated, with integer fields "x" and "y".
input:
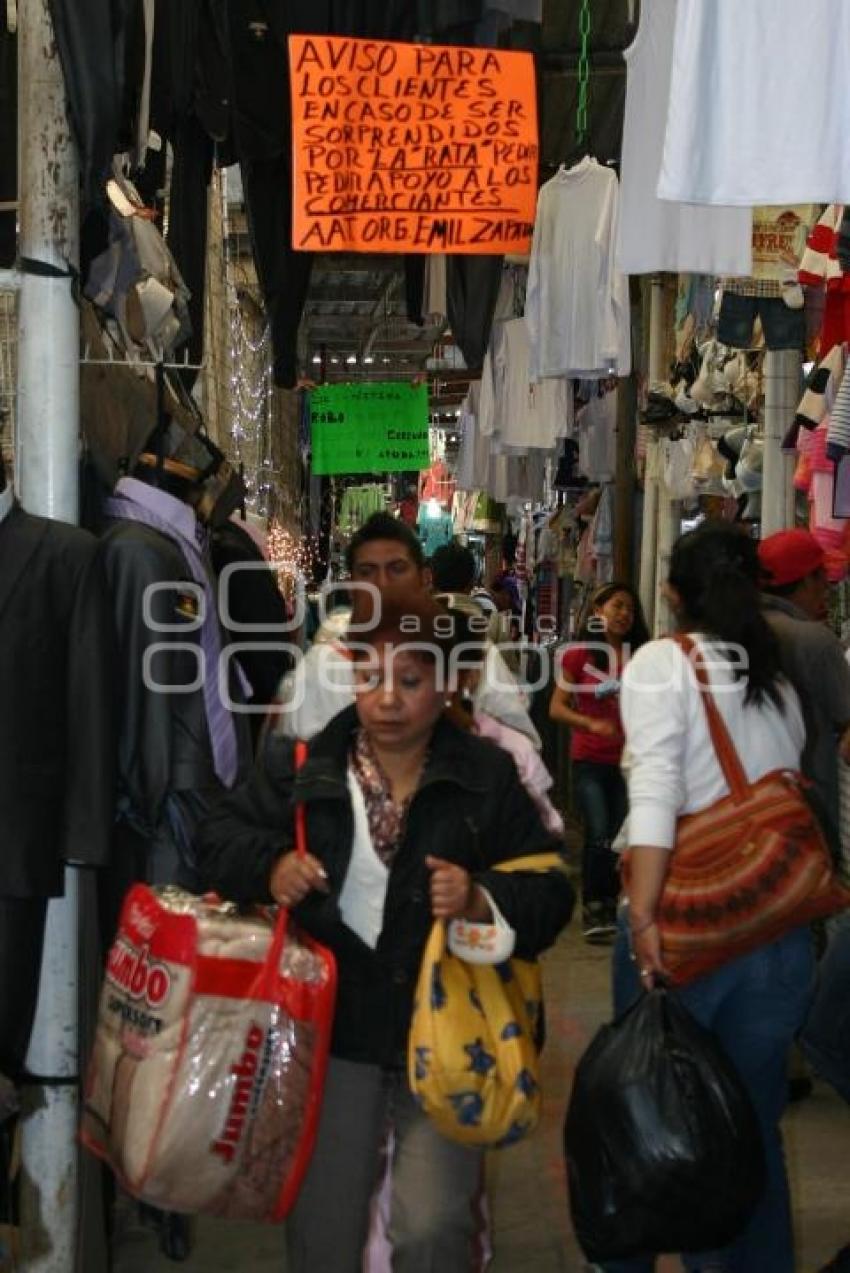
{"x": 812, "y": 657}
{"x": 453, "y": 572}
{"x": 386, "y": 553}
{"x": 453, "y": 568}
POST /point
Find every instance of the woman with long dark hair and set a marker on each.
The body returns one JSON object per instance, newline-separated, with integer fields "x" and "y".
{"x": 586, "y": 698}
{"x": 755, "y": 1003}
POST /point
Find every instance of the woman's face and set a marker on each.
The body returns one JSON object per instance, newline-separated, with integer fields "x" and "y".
{"x": 618, "y": 614}
{"x": 398, "y": 702}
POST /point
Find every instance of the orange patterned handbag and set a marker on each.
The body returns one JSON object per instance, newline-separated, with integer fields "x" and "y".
{"x": 747, "y": 869}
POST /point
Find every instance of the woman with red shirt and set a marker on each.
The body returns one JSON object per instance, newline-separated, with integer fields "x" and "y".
{"x": 587, "y": 699}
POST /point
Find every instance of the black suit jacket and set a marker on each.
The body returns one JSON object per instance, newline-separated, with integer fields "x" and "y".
{"x": 254, "y": 597}
{"x": 57, "y": 736}
{"x": 164, "y": 744}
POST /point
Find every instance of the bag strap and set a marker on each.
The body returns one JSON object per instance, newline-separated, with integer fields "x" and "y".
{"x": 300, "y": 813}
{"x": 727, "y": 754}
{"x": 275, "y": 951}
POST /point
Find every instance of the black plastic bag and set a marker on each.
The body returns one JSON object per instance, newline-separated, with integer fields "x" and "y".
{"x": 664, "y": 1151}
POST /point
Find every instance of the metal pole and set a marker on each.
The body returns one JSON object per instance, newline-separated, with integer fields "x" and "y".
{"x": 781, "y": 394}
{"x": 47, "y": 455}
{"x": 651, "y": 485}
{"x": 624, "y": 489}
{"x": 668, "y": 511}
{"x": 669, "y": 525}
{"x": 657, "y": 340}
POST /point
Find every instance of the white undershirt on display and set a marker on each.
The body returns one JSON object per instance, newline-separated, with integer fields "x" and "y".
{"x": 757, "y": 112}
{"x": 7, "y": 499}
{"x": 655, "y": 234}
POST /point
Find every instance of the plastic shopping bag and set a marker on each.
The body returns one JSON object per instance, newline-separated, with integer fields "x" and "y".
{"x": 472, "y": 1051}
{"x": 663, "y": 1148}
{"x": 205, "y": 1083}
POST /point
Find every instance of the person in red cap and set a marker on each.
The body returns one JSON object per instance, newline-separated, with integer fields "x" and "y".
{"x": 795, "y": 600}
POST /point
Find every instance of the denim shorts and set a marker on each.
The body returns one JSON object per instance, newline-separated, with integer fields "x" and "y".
{"x": 784, "y": 328}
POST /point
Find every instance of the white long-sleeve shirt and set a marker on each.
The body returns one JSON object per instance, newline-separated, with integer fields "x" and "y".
{"x": 519, "y": 415}
{"x": 673, "y": 768}
{"x": 577, "y": 302}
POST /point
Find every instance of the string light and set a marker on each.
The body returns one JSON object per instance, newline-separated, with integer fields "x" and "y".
{"x": 297, "y": 559}
{"x": 251, "y": 388}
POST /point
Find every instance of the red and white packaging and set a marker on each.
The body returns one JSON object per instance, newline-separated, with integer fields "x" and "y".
{"x": 205, "y": 1083}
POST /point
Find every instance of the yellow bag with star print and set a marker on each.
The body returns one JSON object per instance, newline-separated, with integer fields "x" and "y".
{"x": 472, "y": 1057}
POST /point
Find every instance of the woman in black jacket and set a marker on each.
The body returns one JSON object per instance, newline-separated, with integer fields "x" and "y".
{"x": 407, "y": 815}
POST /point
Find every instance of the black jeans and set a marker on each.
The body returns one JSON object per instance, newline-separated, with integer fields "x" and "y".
{"x": 601, "y": 798}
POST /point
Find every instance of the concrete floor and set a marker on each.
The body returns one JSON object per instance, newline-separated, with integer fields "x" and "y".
{"x": 532, "y": 1229}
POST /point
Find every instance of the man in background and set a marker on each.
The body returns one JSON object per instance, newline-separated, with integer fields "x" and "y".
{"x": 795, "y": 605}
{"x": 387, "y": 554}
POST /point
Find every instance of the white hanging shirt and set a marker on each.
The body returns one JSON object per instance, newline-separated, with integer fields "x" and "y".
{"x": 597, "y": 438}
{"x": 577, "y": 303}
{"x": 522, "y": 415}
{"x": 756, "y": 111}
{"x": 473, "y": 457}
{"x": 654, "y": 234}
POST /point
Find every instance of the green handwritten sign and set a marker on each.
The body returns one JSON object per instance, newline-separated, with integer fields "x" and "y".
{"x": 372, "y": 427}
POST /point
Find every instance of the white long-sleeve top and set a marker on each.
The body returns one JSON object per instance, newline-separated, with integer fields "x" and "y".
{"x": 577, "y": 302}
{"x": 673, "y": 768}
{"x": 519, "y": 415}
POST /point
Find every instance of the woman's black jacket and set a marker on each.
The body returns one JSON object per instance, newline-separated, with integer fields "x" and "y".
{"x": 470, "y": 808}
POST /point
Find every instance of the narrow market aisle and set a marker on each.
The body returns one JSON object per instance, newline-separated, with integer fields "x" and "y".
{"x": 532, "y": 1230}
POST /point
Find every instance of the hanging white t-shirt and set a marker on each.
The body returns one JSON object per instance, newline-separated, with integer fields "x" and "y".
{"x": 654, "y": 234}
{"x": 577, "y": 302}
{"x": 757, "y": 109}
{"x": 597, "y": 438}
{"x": 474, "y": 452}
{"x": 522, "y": 415}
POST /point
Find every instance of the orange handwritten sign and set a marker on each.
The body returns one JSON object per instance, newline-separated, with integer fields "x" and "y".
{"x": 411, "y": 147}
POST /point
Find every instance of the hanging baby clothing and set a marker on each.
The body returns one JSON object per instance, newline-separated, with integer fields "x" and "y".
{"x": 577, "y": 302}
{"x": 434, "y": 531}
{"x": 357, "y": 505}
{"x": 655, "y": 234}
{"x": 820, "y": 267}
{"x": 436, "y": 483}
{"x": 753, "y": 116}
{"x": 521, "y": 415}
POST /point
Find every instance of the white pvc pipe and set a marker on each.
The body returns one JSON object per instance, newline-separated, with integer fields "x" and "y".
{"x": 657, "y": 341}
{"x": 47, "y": 454}
{"x": 781, "y": 395}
